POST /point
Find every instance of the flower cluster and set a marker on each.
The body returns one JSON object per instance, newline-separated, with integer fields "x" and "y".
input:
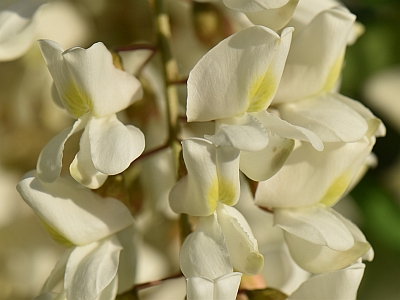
{"x": 249, "y": 160}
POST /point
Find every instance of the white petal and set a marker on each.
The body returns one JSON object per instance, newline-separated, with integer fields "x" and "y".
{"x": 197, "y": 193}
{"x": 204, "y": 252}
{"x": 275, "y": 18}
{"x": 85, "y": 85}
{"x": 82, "y": 168}
{"x": 243, "y": 133}
{"x": 213, "y": 176}
{"x": 254, "y": 5}
{"x": 242, "y": 246}
{"x": 227, "y": 286}
{"x": 319, "y": 259}
{"x": 263, "y": 164}
{"x": 91, "y": 268}
{"x": 315, "y": 224}
{"x": 341, "y": 284}
{"x": 315, "y": 59}
{"x": 284, "y": 129}
{"x": 74, "y": 213}
{"x": 309, "y": 177}
{"x": 49, "y": 163}
{"x": 199, "y": 288}
{"x": 329, "y": 118}
{"x": 17, "y": 28}
{"x": 240, "y": 74}
{"x": 113, "y": 145}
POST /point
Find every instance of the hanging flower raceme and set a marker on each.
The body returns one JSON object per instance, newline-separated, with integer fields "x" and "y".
{"x": 99, "y": 232}
{"x": 17, "y": 27}
{"x": 92, "y": 91}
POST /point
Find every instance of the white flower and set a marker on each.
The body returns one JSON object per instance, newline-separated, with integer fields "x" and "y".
{"x": 92, "y": 90}
{"x": 205, "y": 262}
{"x": 234, "y": 84}
{"x": 98, "y": 231}
{"x": 17, "y": 27}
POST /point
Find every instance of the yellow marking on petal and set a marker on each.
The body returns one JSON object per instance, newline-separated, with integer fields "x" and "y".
{"x": 76, "y": 101}
{"x": 337, "y": 189}
{"x": 55, "y": 235}
{"x": 262, "y": 91}
{"x": 226, "y": 192}
{"x": 212, "y": 195}
{"x": 334, "y": 74}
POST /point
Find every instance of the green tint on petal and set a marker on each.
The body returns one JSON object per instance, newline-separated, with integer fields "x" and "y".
{"x": 75, "y": 100}
{"x": 213, "y": 195}
{"x": 55, "y": 235}
{"x": 262, "y": 90}
{"x": 334, "y": 73}
{"x": 227, "y": 192}
{"x": 337, "y": 189}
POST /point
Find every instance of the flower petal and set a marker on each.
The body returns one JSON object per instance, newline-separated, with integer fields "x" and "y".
{"x": 275, "y": 18}
{"x": 242, "y": 246}
{"x": 315, "y": 59}
{"x": 82, "y": 168}
{"x": 73, "y": 212}
{"x": 49, "y": 163}
{"x": 113, "y": 146}
{"x": 240, "y": 74}
{"x": 204, "y": 252}
{"x": 17, "y": 28}
{"x": 315, "y": 177}
{"x": 226, "y": 287}
{"x": 341, "y": 284}
{"x": 57, "y": 274}
{"x": 315, "y": 224}
{"x": 199, "y": 288}
{"x": 85, "y": 85}
{"x": 263, "y": 164}
{"x": 91, "y": 268}
{"x": 243, "y": 133}
{"x": 319, "y": 259}
{"x": 254, "y": 5}
{"x": 197, "y": 193}
{"x": 213, "y": 176}
{"x": 287, "y": 130}
{"x": 329, "y": 118}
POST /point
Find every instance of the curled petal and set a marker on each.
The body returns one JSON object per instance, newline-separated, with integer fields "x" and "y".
{"x": 113, "y": 146}
{"x": 262, "y": 165}
{"x": 275, "y": 18}
{"x": 17, "y": 28}
{"x": 204, "y": 252}
{"x": 341, "y": 284}
{"x": 243, "y": 133}
{"x": 91, "y": 269}
{"x": 329, "y": 118}
{"x": 287, "y": 130}
{"x": 315, "y": 224}
{"x": 254, "y": 5}
{"x": 82, "y": 168}
{"x": 84, "y": 84}
{"x": 49, "y": 163}
{"x": 253, "y": 59}
{"x": 73, "y": 212}
{"x": 242, "y": 246}
{"x": 319, "y": 259}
